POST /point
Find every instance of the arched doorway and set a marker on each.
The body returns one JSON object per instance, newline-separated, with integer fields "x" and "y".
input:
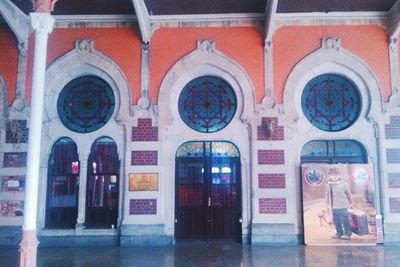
{"x": 102, "y": 184}
{"x": 208, "y": 191}
{"x": 62, "y": 185}
{"x": 338, "y": 193}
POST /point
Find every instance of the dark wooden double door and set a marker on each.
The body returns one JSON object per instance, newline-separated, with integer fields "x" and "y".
{"x": 208, "y": 198}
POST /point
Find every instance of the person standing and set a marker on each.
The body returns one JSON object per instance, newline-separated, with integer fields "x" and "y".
{"x": 338, "y": 198}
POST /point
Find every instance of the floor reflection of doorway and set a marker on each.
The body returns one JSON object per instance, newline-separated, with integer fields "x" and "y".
{"x": 208, "y": 191}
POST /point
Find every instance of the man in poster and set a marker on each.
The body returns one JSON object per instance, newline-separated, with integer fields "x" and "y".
{"x": 338, "y": 198}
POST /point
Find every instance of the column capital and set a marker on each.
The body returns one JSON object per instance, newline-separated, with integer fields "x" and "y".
{"x": 42, "y": 22}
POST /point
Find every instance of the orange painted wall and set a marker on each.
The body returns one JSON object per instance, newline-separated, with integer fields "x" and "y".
{"x": 9, "y": 62}
{"x": 122, "y": 45}
{"x": 243, "y": 44}
{"x": 291, "y": 44}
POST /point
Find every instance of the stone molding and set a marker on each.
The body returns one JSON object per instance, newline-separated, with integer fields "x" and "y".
{"x": 42, "y": 23}
{"x": 18, "y": 23}
{"x": 394, "y": 99}
{"x": 3, "y": 102}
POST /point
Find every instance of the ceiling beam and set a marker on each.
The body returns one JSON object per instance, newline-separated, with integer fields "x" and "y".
{"x": 270, "y": 12}
{"x": 394, "y": 20}
{"x": 144, "y": 20}
{"x": 17, "y": 21}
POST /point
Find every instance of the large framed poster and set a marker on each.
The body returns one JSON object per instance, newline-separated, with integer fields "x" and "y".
{"x": 338, "y": 204}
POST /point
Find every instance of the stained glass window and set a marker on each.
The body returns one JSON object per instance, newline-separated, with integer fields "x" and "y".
{"x": 207, "y": 149}
{"x": 331, "y": 102}
{"x": 333, "y": 151}
{"x": 207, "y": 104}
{"x": 86, "y": 104}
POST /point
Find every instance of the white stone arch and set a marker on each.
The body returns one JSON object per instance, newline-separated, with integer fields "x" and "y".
{"x": 330, "y": 58}
{"x": 84, "y": 59}
{"x": 205, "y": 60}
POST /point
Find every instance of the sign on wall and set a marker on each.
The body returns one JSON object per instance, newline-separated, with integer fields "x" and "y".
{"x": 338, "y": 204}
{"x": 143, "y": 182}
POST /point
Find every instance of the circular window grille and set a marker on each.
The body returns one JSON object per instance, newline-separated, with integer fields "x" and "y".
{"x": 86, "y": 104}
{"x": 331, "y": 102}
{"x": 207, "y": 104}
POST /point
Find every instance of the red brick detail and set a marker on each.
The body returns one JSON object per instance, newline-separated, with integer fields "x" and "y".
{"x": 272, "y": 205}
{"x": 271, "y": 180}
{"x": 11, "y": 208}
{"x": 392, "y": 130}
{"x": 394, "y": 204}
{"x": 12, "y": 183}
{"x": 394, "y": 180}
{"x": 264, "y": 134}
{"x": 144, "y": 131}
{"x": 14, "y": 159}
{"x": 143, "y": 206}
{"x": 144, "y": 158}
{"x": 271, "y": 157}
{"x": 393, "y": 155}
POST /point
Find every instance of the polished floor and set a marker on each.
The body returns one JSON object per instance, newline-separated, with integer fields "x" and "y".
{"x": 211, "y": 255}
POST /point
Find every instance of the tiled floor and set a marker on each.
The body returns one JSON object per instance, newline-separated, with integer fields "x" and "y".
{"x": 211, "y": 255}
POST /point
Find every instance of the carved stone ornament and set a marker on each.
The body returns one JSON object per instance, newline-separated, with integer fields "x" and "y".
{"x": 43, "y": 6}
{"x": 144, "y": 101}
{"x": 206, "y": 45}
{"x": 85, "y": 45}
{"x": 268, "y": 101}
{"x": 22, "y": 48}
{"x": 42, "y": 22}
{"x": 394, "y": 99}
{"x": 18, "y": 105}
{"x": 393, "y": 44}
{"x": 331, "y": 43}
{"x": 268, "y": 47}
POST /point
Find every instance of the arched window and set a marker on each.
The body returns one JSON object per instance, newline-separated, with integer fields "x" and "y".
{"x": 331, "y": 102}
{"x": 333, "y": 151}
{"x": 62, "y": 185}
{"x": 102, "y": 184}
{"x": 207, "y": 104}
{"x": 207, "y": 149}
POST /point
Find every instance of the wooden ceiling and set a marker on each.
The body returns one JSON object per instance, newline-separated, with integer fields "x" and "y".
{"x": 288, "y": 6}
{"x": 179, "y": 7}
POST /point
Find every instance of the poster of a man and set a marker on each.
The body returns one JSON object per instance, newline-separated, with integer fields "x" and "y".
{"x": 338, "y": 204}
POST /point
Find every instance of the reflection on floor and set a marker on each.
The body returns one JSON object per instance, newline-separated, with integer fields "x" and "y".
{"x": 210, "y": 255}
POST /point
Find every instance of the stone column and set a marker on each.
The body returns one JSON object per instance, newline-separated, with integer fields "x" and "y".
{"x": 42, "y": 24}
{"x": 80, "y": 221}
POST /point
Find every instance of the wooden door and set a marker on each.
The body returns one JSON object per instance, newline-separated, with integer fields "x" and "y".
{"x": 208, "y": 198}
{"x": 224, "y": 209}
